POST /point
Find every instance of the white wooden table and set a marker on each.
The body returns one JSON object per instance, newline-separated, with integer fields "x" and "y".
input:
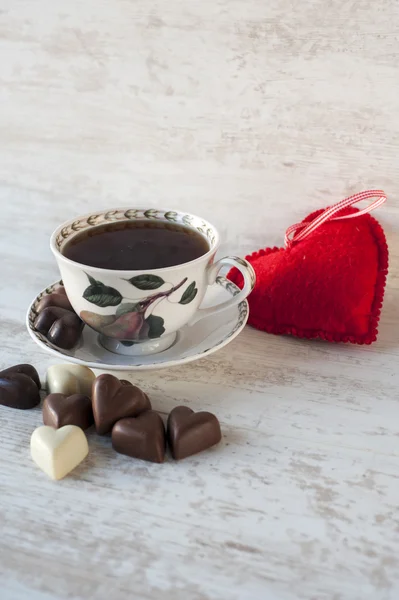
{"x": 251, "y": 113}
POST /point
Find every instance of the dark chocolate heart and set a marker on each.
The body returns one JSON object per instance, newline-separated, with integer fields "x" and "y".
{"x": 113, "y": 400}
{"x": 54, "y": 299}
{"x": 189, "y": 432}
{"x": 59, "y": 410}
{"x": 18, "y": 390}
{"x": 141, "y": 437}
{"x": 62, "y": 327}
{"x": 47, "y": 317}
{"x": 28, "y": 370}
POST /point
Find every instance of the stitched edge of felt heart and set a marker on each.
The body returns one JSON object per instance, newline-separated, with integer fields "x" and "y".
{"x": 379, "y": 289}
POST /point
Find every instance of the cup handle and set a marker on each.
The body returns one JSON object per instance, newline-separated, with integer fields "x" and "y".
{"x": 249, "y": 283}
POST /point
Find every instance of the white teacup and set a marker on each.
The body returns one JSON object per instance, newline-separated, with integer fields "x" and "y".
{"x": 140, "y": 312}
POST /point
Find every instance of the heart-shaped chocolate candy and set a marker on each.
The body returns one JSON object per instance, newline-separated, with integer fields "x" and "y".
{"x": 58, "y": 451}
{"x": 59, "y": 410}
{"x": 189, "y": 432}
{"x": 25, "y": 369}
{"x": 113, "y": 401}
{"x": 61, "y": 327}
{"x": 19, "y": 387}
{"x": 69, "y": 379}
{"x": 141, "y": 437}
{"x": 54, "y": 299}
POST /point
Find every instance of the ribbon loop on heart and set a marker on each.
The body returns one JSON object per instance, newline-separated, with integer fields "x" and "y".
{"x": 302, "y": 230}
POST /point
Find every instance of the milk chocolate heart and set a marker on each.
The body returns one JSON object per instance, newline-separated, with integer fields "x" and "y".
{"x": 61, "y": 327}
{"x": 141, "y": 437}
{"x": 54, "y": 299}
{"x": 19, "y": 387}
{"x": 113, "y": 400}
{"x": 59, "y": 410}
{"x": 189, "y": 432}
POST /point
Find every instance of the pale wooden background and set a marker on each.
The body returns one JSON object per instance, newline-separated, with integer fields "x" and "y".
{"x": 252, "y": 113}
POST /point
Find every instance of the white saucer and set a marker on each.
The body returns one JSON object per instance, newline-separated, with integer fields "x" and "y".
{"x": 194, "y": 342}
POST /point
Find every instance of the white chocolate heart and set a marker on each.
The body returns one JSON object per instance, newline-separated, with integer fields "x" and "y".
{"x": 58, "y": 451}
{"x": 69, "y": 379}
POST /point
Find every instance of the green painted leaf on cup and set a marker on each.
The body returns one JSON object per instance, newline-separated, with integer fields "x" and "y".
{"x": 146, "y": 282}
{"x": 171, "y": 215}
{"x": 110, "y": 214}
{"x": 92, "y": 219}
{"x": 131, "y": 213}
{"x": 151, "y": 213}
{"x": 189, "y": 294}
{"x": 127, "y": 307}
{"x": 156, "y": 328}
{"x": 187, "y": 219}
{"x": 91, "y": 279}
{"x": 102, "y": 295}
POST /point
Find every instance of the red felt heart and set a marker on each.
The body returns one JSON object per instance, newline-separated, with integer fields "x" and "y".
{"x": 329, "y": 285}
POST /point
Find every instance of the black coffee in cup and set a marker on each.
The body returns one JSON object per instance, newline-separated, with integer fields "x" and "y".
{"x": 136, "y": 245}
